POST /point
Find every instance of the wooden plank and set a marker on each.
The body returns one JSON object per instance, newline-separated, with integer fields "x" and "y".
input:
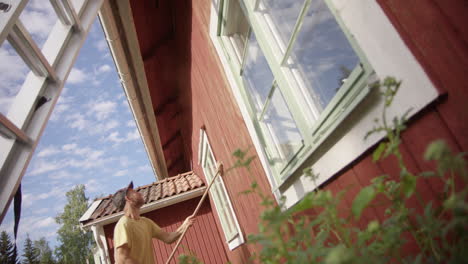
{"x": 455, "y": 12}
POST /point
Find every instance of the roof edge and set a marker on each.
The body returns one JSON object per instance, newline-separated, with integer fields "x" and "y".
{"x": 148, "y": 207}
{"x": 118, "y": 26}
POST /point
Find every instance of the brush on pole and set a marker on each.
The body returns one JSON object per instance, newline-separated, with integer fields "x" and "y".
{"x": 219, "y": 171}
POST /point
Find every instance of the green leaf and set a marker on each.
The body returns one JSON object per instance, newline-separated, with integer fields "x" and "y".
{"x": 436, "y": 150}
{"x": 408, "y": 184}
{"x": 238, "y": 153}
{"x": 365, "y": 196}
{"x": 304, "y": 204}
{"x": 378, "y": 151}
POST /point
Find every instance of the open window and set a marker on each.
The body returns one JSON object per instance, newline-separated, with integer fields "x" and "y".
{"x": 299, "y": 70}
{"x": 219, "y": 194}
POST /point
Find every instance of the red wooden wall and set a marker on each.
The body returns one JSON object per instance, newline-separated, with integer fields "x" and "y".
{"x": 437, "y": 36}
{"x": 214, "y": 107}
{"x": 436, "y": 33}
{"x": 203, "y": 238}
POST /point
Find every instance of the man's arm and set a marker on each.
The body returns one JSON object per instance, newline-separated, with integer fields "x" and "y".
{"x": 122, "y": 255}
{"x": 171, "y": 237}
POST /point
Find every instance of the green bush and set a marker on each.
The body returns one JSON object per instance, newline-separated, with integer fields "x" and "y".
{"x": 327, "y": 236}
{"x": 316, "y": 231}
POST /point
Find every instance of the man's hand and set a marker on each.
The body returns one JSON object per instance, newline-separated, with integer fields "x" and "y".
{"x": 220, "y": 167}
{"x": 187, "y": 223}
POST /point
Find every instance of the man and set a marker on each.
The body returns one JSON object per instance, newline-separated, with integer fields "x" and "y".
{"x": 133, "y": 233}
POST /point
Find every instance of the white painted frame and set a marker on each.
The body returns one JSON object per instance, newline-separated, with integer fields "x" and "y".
{"x": 388, "y": 55}
{"x": 204, "y": 150}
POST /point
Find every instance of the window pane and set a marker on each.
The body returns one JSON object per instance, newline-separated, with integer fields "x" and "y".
{"x": 322, "y": 54}
{"x": 282, "y": 128}
{"x": 13, "y": 72}
{"x": 237, "y": 28}
{"x": 283, "y": 14}
{"x": 257, "y": 75}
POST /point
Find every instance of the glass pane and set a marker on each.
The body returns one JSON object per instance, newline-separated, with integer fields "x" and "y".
{"x": 237, "y": 28}
{"x": 282, "y": 129}
{"x": 257, "y": 75}
{"x": 13, "y": 72}
{"x": 322, "y": 54}
{"x": 39, "y": 18}
{"x": 283, "y": 14}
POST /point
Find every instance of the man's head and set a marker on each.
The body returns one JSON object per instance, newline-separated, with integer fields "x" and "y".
{"x": 127, "y": 194}
{"x": 134, "y": 198}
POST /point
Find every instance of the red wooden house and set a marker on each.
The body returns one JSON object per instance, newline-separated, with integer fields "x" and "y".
{"x": 291, "y": 79}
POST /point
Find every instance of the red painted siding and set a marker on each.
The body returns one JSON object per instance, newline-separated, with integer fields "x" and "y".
{"x": 213, "y": 106}
{"x": 434, "y": 46}
{"x": 202, "y": 238}
{"x": 436, "y": 33}
{"x": 187, "y": 66}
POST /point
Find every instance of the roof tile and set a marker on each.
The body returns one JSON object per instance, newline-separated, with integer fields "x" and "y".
{"x": 153, "y": 192}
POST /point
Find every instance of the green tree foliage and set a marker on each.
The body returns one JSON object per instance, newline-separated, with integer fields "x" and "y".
{"x": 6, "y": 250}
{"x": 45, "y": 252}
{"x": 75, "y": 246}
{"x": 30, "y": 253}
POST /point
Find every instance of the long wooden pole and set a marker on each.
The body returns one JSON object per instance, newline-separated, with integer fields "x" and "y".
{"x": 194, "y": 213}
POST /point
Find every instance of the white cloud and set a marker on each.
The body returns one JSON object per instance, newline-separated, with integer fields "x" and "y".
{"x": 36, "y": 227}
{"x": 124, "y": 161}
{"x": 133, "y": 135}
{"x": 131, "y": 123}
{"x": 39, "y": 17}
{"x": 63, "y": 104}
{"x": 58, "y": 110}
{"x": 77, "y": 76}
{"x": 102, "y": 110}
{"x": 42, "y": 166}
{"x": 13, "y": 72}
{"x": 48, "y": 151}
{"x": 101, "y": 45}
{"x": 116, "y": 138}
{"x": 104, "y": 68}
{"x": 110, "y": 125}
{"x": 63, "y": 175}
{"x": 68, "y": 147}
{"x": 121, "y": 173}
{"x": 78, "y": 121}
{"x": 143, "y": 168}
{"x": 46, "y": 222}
{"x": 93, "y": 186}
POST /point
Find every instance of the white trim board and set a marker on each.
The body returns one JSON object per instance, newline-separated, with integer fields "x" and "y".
{"x": 388, "y": 55}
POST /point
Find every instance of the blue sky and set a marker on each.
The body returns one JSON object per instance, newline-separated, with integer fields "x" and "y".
{"x": 91, "y": 138}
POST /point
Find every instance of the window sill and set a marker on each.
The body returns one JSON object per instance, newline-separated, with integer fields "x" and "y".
{"x": 236, "y": 242}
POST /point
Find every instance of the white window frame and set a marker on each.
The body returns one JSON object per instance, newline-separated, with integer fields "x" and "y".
{"x": 235, "y": 238}
{"x": 388, "y": 55}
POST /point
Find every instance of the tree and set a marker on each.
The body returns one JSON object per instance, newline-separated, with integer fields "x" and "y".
{"x": 45, "y": 253}
{"x": 7, "y": 255}
{"x": 31, "y": 254}
{"x": 75, "y": 246}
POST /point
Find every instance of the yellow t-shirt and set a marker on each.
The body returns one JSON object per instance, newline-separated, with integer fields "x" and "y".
{"x": 137, "y": 234}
